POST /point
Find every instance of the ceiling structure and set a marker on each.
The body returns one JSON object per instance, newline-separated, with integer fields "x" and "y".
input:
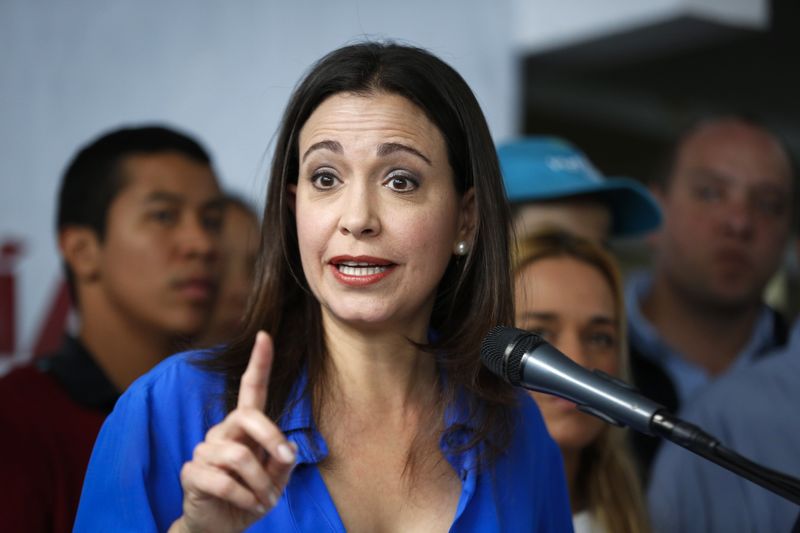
{"x": 622, "y": 96}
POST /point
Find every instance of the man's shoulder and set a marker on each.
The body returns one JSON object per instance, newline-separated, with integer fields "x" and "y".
{"x": 27, "y": 388}
{"x": 764, "y": 388}
{"x": 21, "y": 375}
{"x": 35, "y": 410}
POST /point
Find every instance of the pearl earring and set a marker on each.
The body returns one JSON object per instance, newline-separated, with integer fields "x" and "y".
{"x": 461, "y": 248}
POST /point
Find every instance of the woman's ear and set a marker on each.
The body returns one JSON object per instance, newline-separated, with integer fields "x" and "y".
{"x": 468, "y": 217}
{"x": 80, "y": 249}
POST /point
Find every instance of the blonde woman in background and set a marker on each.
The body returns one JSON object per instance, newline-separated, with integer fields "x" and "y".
{"x": 568, "y": 290}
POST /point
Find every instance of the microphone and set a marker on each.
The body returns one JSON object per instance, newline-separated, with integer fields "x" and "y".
{"x": 525, "y": 359}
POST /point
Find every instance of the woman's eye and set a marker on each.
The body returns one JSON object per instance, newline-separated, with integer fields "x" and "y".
{"x": 544, "y": 333}
{"x": 401, "y": 183}
{"x": 324, "y": 180}
{"x": 603, "y": 340}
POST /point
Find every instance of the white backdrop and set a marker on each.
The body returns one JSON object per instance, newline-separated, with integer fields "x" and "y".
{"x": 220, "y": 70}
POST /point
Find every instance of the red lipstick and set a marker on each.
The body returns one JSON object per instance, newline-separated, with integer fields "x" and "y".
{"x": 360, "y": 271}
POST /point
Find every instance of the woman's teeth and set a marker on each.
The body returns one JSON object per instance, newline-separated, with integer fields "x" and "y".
{"x": 360, "y": 269}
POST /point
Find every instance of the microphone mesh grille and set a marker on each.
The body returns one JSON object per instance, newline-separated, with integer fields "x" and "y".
{"x": 493, "y": 347}
{"x": 514, "y": 362}
{"x": 503, "y": 362}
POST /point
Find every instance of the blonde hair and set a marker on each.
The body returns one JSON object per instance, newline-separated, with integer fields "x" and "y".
{"x": 606, "y": 481}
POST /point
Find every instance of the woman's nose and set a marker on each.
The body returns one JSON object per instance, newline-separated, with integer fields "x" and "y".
{"x": 570, "y": 345}
{"x": 359, "y": 215}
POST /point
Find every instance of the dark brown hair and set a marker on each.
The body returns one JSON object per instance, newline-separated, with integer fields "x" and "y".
{"x": 475, "y": 292}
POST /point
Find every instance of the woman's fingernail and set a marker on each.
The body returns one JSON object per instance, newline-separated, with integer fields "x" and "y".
{"x": 260, "y": 509}
{"x": 273, "y": 498}
{"x": 286, "y": 453}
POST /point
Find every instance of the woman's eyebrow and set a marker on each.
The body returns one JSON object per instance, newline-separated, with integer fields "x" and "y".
{"x": 603, "y": 320}
{"x": 383, "y": 149}
{"x": 389, "y": 148}
{"x": 333, "y": 146}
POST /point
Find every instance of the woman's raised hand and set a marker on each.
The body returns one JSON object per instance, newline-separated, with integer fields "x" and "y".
{"x": 240, "y": 470}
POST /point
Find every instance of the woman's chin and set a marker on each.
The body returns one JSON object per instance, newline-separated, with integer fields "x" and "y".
{"x": 360, "y": 317}
{"x": 574, "y": 432}
{"x": 380, "y": 321}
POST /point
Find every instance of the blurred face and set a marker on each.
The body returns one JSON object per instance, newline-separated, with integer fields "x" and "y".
{"x": 377, "y": 211}
{"x": 727, "y": 215}
{"x": 571, "y": 305}
{"x": 238, "y": 249}
{"x": 157, "y": 261}
{"x": 585, "y": 218}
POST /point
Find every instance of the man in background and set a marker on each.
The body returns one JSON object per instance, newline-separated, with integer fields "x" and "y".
{"x": 238, "y": 251}
{"x": 727, "y": 198}
{"x": 139, "y": 215}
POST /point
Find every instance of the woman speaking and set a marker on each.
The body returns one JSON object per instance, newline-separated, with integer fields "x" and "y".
{"x": 354, "y": 399}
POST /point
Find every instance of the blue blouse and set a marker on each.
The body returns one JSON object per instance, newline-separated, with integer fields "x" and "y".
{"x": 133, "y": 480}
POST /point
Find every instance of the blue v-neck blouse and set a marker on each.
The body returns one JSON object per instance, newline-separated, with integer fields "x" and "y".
{"x": 133, "y": 480}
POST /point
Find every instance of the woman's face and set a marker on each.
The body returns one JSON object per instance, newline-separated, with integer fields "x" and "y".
{"x": 377, "y": 211}
{"x": 571, "y": 305}
{"x": 238, "y": 252}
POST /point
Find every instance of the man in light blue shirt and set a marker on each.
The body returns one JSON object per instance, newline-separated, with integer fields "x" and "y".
{"x": 754, "y": 412}
{"x": 727, "y": 199}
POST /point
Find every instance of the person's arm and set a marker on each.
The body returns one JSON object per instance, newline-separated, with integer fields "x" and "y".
{"x": 154, "y": 466}
{"x": 238, "y": 473}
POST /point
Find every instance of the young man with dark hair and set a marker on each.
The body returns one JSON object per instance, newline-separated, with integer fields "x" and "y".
{"x": 139, "y": 217}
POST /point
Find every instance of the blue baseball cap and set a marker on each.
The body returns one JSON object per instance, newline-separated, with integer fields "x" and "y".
{"x": 549, "y": 168}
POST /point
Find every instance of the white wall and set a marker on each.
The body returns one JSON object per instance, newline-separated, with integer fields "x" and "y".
{"x": 221, "y": 70}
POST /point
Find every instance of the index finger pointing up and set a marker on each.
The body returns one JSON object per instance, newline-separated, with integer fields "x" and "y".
{"x": 253, "y": 387}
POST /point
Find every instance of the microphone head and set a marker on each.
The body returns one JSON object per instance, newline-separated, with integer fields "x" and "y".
{"x": 502, "y": 350}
